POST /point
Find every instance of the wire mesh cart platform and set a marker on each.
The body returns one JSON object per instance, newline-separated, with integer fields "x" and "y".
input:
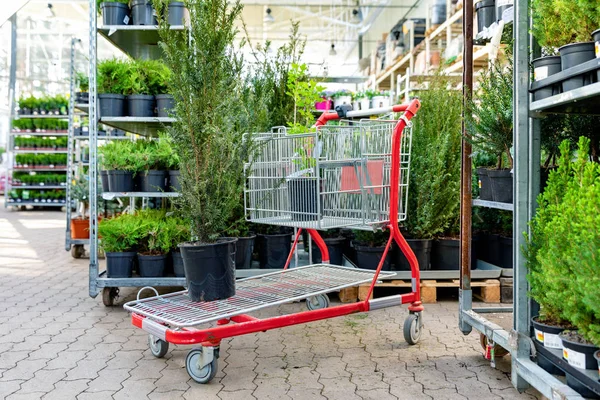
{"x": 353, "y": 174}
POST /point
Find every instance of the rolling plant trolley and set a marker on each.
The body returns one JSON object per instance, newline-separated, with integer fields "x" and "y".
{"x": 353, "y": 175}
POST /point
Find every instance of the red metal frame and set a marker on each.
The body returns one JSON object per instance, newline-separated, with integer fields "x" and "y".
{"x": 245, "y": 324}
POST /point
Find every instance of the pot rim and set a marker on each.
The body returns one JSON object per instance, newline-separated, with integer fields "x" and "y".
{"x": 575, "y": 343}
{"x": 535, "y": 320}
{"x": 575, "y": 44}
{"x": 114, "y": 4}
{"x": 546, "y": 58}
{"x": 112, "y": 96}
{"x": 197, "y": 244}
{"x": 149, "y": 257}
{"x": 275, "y": 234}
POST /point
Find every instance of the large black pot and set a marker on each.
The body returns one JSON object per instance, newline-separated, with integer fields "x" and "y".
{"x": 506, "y": 252}
{"x": 152, "y": 266}
{"x": 114, "y": 13}
{"x": 82, "y": 97}
{"x": 176, "y": 13}
{"x": 335, "y": 247}
{"x": 164, "y": 103}
{"x": 303, "y": 196}
{"x": 209, "y": 269}
{"x": 140, "y": 105}
{"x": 177, "y": 261}
{"x": 547, "y": 335}
{"x": 543, "y": 68}
{"x": 422, "y": 250}
{"x": 119, "y": 265}
{"x": 445, "y": 254}
{"x": 572, "y": 55}
{"x": 120, "y": 181}
{"x": 273, "y": 250}
{"x": 502, "y": 5}
{"x": 143, "y": 13}
{"x": 104, "y": 180}
{"x": 438, "y": 12}
{"x": 485, "y": 186}
{"x": 243, "y": 252}
{"x": 578, "y": 355}
{"x": 174, "y": 184}
{"x": 486, "y": 14}
{"x": 153, "y": 181}
{"x": 111, "y": 105}
{"x": 369, "y": 257}
{"x": 502, "y": 185}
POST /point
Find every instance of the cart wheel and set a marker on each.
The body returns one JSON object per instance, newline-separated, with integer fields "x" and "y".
{"x": 317, "y": 302}
{"x": 109, "y": 294}
{"x": 158, "y": 347}
{"x": 200, "y": 375}
{"x": 413, "y": 328}
{"x": 77, "y": 251}
{"x": 499, "y": 351}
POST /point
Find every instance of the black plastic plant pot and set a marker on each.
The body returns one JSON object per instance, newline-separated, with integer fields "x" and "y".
{"x": 164, "y": 102}
{"x": 120, "y": 181}
{"x": 142, "y": 12}
{"x": 422, "y": 250}
{"x": 369, "y": 257}
{"x": 176, "y": 13}
{"x": 174, "y": 184}
{"x": 153, "y": 181}
{"x": 114, "y": 13}
{"x": 243, "y": 252}
{"x": 152, "y": 266}
{"x": 273, "y": 250}
{"x": 485, "y": 186}
{"x": 548, "y": 365}
{"x": 82, "y": 97}
{"x": 438, "y": 12}
{"x": 335, "y": 247}
{"x": 502, "y": 5}
{"x": 543, "y": 68}
{"x": 209, "y": 269}
{"x": 580, "y": 388}
{"x": 486, "y": 14}
{"x": 303, "y": 196}
{"x": 502, "y": 185}
{"x": 111, "y": 105}
{"x": 506, "y": 252}
{"x": 571, "y": 55}
{"x": 104, "y": 180}
{"x": 177, "y": 261}
{"x": 547, "y": 335}
{"x": 445, "y": 255}
{"x": 119, "y": 265}
{"x": 579, "y": 355}
{"x": 140, "y": 105}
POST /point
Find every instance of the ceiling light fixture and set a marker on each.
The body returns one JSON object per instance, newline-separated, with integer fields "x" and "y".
{"x": 332, "y": 52}
{"x": 269, "y": 18}
{"x": 50, "y": 12}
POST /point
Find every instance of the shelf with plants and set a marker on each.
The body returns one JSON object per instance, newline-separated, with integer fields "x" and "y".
{"x": 24, "y": 180}
{"x": 40, "y": 161}
{"x": 43, "y": 107}
{"x": 51, "y": 197}
{"x": 135, "y": 40}
{"x": 39, "y": 126}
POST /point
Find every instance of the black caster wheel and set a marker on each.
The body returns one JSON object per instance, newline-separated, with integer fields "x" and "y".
{"x": 413, "y": 328}
{"x": 77, "y": 251}
{"x": 200, "y": 374}
{"x": 158, "y": 347}
{"x": 109, "y": 294}
{"x": 317, "y": 302}
{"x": 499, "y": 351}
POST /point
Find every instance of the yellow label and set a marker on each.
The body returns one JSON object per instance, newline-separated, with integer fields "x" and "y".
{"x": 539, "y": 336}
{"x": 565, "y": 354}
{"x": 597, "y": 49}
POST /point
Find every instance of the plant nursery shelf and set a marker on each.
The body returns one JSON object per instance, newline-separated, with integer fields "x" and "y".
{"x": 38, "y": 187}
{"x": 138, "y": 41}
{"x": 586, "y": 377}
{"x": 32, "y": 203}
{"x": 49, "y": 151}
{"x": 103, "y": 138}
{"x": 140, "y": 125}
{"x": 59, "y": 116}
{"x": 58, "y": 133}
{"x": 114, "y": 195}
{"x": 584, "y": 100}
{"x": 40, "y": 169}
{"x": 493, "y": 204}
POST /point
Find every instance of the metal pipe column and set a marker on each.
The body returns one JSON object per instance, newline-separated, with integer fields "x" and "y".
{"x": 93, "y": 169}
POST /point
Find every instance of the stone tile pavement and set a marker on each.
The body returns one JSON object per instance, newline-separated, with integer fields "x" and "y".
{"x": 58, "y": 343}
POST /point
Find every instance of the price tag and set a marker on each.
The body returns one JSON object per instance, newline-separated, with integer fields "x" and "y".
{"x": 500, "y": 3}
{"x": 539, "y": 336}
{"x": 126, "y": 20}
{"x": 111, "y": 31}
{"x": 540, "y": 73}
{"x": 574, "y": 358}
{"x": 552, "y": 341}
{"x": 597, "y": 49}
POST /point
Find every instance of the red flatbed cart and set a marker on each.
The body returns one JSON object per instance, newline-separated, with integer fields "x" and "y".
{"x": 351, "y": 175}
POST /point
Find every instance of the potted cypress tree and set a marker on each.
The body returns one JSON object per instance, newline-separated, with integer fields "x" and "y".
{"x": 120, "y": 238}
{"x": 206, "y": 85}
{"x": 118, "y": 159}
{"x": 112, "y": 82}
{"x": 139, "y": 88}
{"x": 154, "y": 243}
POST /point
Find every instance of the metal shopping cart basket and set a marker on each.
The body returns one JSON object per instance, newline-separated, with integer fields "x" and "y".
{"x": 353, "y": 174}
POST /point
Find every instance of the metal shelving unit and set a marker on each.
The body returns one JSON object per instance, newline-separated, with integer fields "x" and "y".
{"x": 493, "y": 204}
{"x": 139, "y": 125}
{"x": 49, "y": 134}
{"x": 526, "y": 133}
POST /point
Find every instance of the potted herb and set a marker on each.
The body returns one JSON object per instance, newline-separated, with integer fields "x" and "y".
{"x": 361, "y": 101}
{"x": 120, "y": 238}
{"x": 114, "y": 12}
{"x": 205, "y": 81}
{"x": 490, "y": 127}
{"x": 343, "y": 96}
{"x": 140, "y": 96}
{"x": 380, "y": 99}
{"x": 117, "y": 160}
{"x": 370, "y": 247}
{"x": 113, "y": 75}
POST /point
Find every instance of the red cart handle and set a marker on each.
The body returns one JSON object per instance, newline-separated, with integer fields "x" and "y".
{"x": 410, "y": 109}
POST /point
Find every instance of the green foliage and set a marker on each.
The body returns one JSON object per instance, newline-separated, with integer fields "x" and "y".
{"x": 371, "y": 239}
{"x": 83, "y": 81}
{"x": 113, "y": 76}
{"x": 117, "y": 155}
{"x": 141, "y": 155}
{"x": 305, "y": 93}
{"x": 563, "y": 249}
{"x": 434, "y": 188}
{"x": 147, "y": 77}
{"x": 120, "y": 234}
{"x": 491, "y": 125}
{"x": 560, "y": 22}
{"x": 45, "y": 105}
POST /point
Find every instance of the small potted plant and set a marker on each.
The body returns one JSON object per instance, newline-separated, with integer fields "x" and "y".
{"x": 335, "y": 246}
{"x": 361, "y": 101}
{"x": 324, "y": 102}
{"x": 83, "y": 82}
{"x": 273, "y": 244}
{"x": 160, "y": 82}
{"x": 340, "y": 97}
{"x": 154, "y": 244}
{"x": 114, "y": 12}
{"x": 117, "y": 157}
{"x": 174, "y": 173}
{"x": 152, "y": 159}
{"x": 143, "y": 12}
{"x": 380, "y": 99}
{"x": 176, "y": 12}
{"x": 120, "y": 238}
{"x": 113, "y": 77}
{"x": 139, "y": 90}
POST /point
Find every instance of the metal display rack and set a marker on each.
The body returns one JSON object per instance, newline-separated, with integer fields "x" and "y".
{"x": 526, "y": 135}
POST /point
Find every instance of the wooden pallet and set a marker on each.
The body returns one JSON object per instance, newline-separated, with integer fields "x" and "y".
{"x": 487, "y": 290}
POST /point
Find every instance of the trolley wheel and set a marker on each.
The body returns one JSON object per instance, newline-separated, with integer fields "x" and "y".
{"x": 158, "y": 347}
{"x": 317, "y": 302}
{"x": 413, "y": 328}
{"x": 200, "y": 375}
{"x": 109, "y": 294}
{"x": 77, "y": 251}
{"x": 499, "y": 351}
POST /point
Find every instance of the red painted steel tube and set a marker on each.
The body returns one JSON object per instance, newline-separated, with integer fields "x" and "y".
{"x": 243, "y": 318}
{"x": 289, "y": 259}
{"x": 381, "y": 262}
{"x": 215, "y": 334}
{"x": 320, "y": 244}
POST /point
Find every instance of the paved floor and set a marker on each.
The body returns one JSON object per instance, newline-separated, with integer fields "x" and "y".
{"x": 57, "y": 343}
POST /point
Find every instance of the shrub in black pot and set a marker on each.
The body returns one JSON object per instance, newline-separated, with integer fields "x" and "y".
{"x": 370, "y": 247}
{"x": 82, "y": 96}
{"x": 113, "y": 75}
{"x": 422, "y": 250}
{"x": 151, "y": 159}
{"x": 543, "y": 68}
{"x": 273, "y": 249}
{"x": 120, "y": 236}
{"x": 114, "y": 12}
{"x": 117, "y": 158}
{"x": 154, "y": 243}
{"x": 335, "y": 243}
{"x": 571, "y": 55}
{"x": 142, "y": 12}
